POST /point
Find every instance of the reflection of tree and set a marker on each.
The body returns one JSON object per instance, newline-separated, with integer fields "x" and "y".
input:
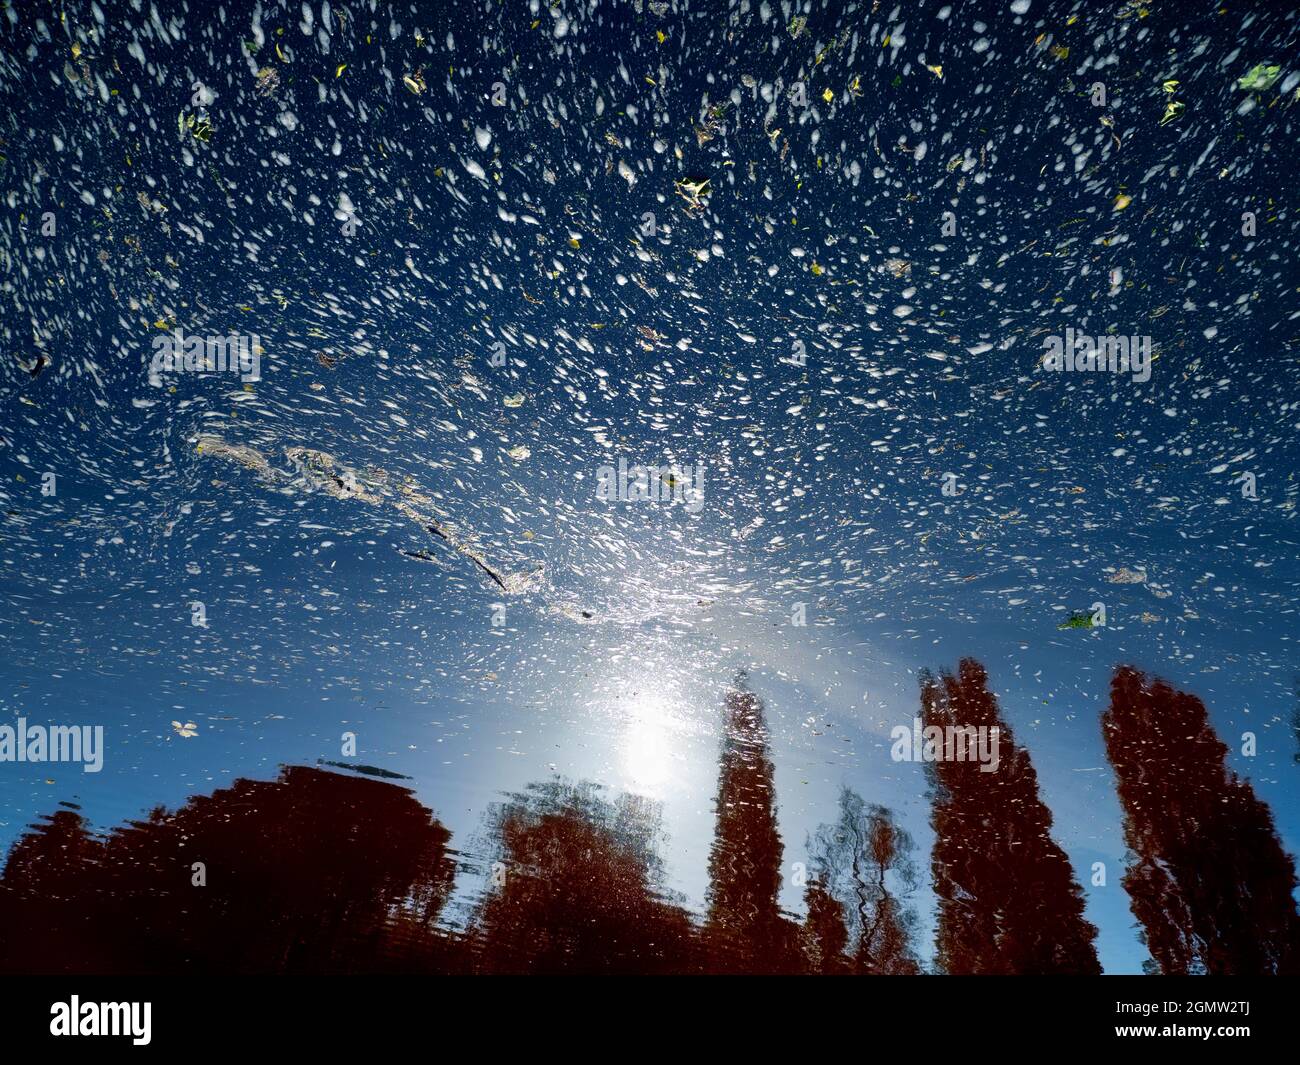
{"x": 579, "y": 888}
{"x": 864, "y": 862}
{"x": 1008, "y": 900}
{"x": 43, "y": 928}
{"x": 321, "y": 872}
{"x": 311, "y": 872}
{"x": 1209, "y": 882}
{"x": 745, "y": 930}
{"x": 824, "y": 932}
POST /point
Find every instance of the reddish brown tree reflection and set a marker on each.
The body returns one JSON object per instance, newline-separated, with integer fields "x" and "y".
{"x": 745, "y": 930}
{"x": 578, "y": 888}
{"x": 318, "y": 871}
{"x": 1008, "y": 900}
{"x": 1209, "y": 881}
{"x": 312, "y": 872}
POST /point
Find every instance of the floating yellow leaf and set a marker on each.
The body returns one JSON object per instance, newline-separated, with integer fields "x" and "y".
{"x": 828, "y": 96}
{"x": 1122, "y": 201}
{"x": 342, "y": 67}
{"x": 693, "y": 191}
{"x": 936, "y": 70}
{"x": 817, "y": 269}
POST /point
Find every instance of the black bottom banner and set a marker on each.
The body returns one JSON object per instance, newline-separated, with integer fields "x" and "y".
{"x": 141, "y": 1014}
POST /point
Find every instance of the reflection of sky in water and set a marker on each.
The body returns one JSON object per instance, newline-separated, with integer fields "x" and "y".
{"x": 822, "y": 480}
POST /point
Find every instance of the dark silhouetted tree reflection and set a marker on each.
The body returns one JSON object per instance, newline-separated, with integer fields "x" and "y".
{"x": 744, "y": 929}
{"x": 46, "y": 924}
{"x": 313, "y": 872}
{"x": 824, "y": 933}
{"x": 1008, "y": 900}
{"x": 318, "y": 871}
{"x": 579, "y": 887}
{"x": 1209, "y": 881}
{"x": 863, "y": 861}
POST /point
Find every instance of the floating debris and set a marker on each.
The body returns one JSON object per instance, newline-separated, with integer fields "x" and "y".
{"x": 1260, "y": 77}
{"x": 568, "y": 255}
{"x": 315, "y": 470}
{"x": 1078, "y": 621}
{"x": 693, "y": 191}
{"x": 1124, "y": 575}
{"x": 198, "y": 126}
{"x": 268, "y": 81}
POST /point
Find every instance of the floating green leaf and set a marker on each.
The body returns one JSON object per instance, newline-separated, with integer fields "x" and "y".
{"x": 1260, "y": 77}
{"x": 1077, "y": 621}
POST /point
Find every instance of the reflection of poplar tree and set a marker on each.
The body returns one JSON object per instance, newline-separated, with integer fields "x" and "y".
{"x": 1008, "y": 900}
{"x": 744, "y": 926}
{"x": 1209, "y": 881}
